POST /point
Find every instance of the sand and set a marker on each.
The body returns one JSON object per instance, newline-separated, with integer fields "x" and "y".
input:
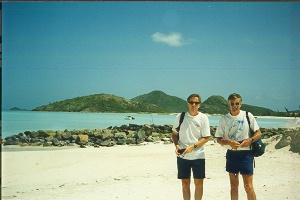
{"x": 135, "y": 172}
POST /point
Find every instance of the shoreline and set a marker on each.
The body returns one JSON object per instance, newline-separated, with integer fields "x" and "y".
{"x": 137, "y": 172}
{"x": 131, "y": 134}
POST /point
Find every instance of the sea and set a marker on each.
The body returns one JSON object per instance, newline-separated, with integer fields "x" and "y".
{"x": 15, "y": 122}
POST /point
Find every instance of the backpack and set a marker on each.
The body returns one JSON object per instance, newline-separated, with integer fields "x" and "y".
{"x": 180, "y": 121}
{"x": 257, "y": 147}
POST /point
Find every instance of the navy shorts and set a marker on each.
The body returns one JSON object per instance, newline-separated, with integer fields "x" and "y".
{"x": 239, "y": 162}
{"x": 185, "y": 166}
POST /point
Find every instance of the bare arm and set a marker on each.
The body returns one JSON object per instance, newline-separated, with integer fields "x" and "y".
{"x": 248, "y": 142}
{"x": 234, "y": 144}
{"x": 200, "y": 143}
{"x": 245, "y": 143}
{"x": 256, "y": 135}
{"x": 175, "y": 138}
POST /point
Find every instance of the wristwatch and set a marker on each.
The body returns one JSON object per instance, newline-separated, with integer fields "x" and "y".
{"x": 252, "y": 139}
{"x": 195, "y": 146}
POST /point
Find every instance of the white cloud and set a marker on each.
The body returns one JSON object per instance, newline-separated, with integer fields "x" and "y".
{"x": 173, "y": 39}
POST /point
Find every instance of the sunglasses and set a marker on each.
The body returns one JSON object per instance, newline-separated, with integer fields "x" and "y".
{"x": 234, "y": 103}
{"x": 191, "y": 102}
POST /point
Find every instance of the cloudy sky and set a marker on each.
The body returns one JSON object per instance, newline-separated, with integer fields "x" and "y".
{"x": 54, "y": 51}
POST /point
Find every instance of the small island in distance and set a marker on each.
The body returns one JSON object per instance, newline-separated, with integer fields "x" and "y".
{"x": 16, "y": 108}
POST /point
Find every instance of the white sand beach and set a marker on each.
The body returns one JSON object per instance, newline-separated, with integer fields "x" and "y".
{"x": 134, "y": 173}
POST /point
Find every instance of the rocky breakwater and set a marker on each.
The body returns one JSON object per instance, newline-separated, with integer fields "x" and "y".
{"x": 282, "y": 137}
{"x": 123, "y": 135}
{"x": 133, "y": 134}
{"x": 291, "y": 138}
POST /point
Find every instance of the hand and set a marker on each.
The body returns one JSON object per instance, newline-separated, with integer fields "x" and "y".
{"x": 234, "y": 144}
{"x": 189, "y": 149}
{"x": 246, "y": 142}
{"x": 177, "y": 150}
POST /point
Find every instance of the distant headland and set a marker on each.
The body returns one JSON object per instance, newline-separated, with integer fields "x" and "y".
{"x": 153, "y": 102}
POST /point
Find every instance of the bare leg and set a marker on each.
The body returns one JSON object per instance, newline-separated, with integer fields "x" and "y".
{"x": 198, "y": 189}
{"x": 186, "y": 192}
{"x": 234, "y": 185}
{"x": 248, "y": 185}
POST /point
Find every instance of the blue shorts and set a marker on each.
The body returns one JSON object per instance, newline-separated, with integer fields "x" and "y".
{"x": 184, "y": 167}
{"x": 239, "y": 162}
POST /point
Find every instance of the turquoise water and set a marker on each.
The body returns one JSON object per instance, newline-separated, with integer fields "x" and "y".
{"x": 14, "y": 122}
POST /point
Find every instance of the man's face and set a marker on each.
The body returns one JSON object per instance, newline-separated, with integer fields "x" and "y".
{"x": 235, "y": 106}
{"x": 194, "y": 104}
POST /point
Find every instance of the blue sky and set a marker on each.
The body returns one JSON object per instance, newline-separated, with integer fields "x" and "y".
{"x": 54, "y": 51}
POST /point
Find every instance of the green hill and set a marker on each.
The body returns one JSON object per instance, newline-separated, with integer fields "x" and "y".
{"x": 214, "y": 105}
{"x": 100, "y": 103}
{"x": 170, "y": 103}
{"x": 18, "y": 109}
{"x": 153, "y": 102}
{"x": 259, "y": 111}
{"x": 218, "y": 105}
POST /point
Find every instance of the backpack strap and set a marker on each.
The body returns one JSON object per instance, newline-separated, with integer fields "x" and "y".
{"x": 248, "y": 118}
{"x": 248, "y": 122}
{"x": 249, "y": 134}
{"x": 180, "y": 121}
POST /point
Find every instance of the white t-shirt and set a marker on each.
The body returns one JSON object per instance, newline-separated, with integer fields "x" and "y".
{"x": 236, "y": 127}
{"x": 192, "y": 129}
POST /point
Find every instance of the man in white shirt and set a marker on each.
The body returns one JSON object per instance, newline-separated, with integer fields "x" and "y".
{"x": 233, "y": 130}
{"x": 193, "y": 133}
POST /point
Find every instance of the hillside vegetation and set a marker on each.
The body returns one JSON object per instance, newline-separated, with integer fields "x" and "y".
{"x": 218, "y": 105}
{"x": 214, "y": 105}
{"x": 153, "y": 102}
{"x": 170, "y": 103}
{"x": 100, "y": 103}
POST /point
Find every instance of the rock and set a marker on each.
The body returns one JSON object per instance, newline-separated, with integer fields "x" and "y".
{"x": 82, "y": 139}
{"x": 46, "y": 133}
{"x": 123, "y": 127}
{"x": 121, "y": 141}
{"x": 120, "y": 135}
{"x": 141, "y": 134}
{"x": 148, "y": 130}
{"x": 74, "y": 137}
{"x": 23, "y": 138}
{"x": 131, "y": 134}
{"x": 140, "y": 140}
{"x": 155, "y": 134}
{"x": 47, "y": 144}
{"x": 65, "y": 135}
{"x": 107, "y": 134}
{"x": 107, "y": 143}
{"x": 167, "y": 142}
{"x": 295, "y": 143}
{"x": 55, "y": 142}
{"x": 34, "y": 134}
{"x": 284, "y": 141}
{"x": 98, "y": 141}
{"x": 37, "y": 140}
{"x": 10, "y": 142}
{"x": 98, "y": 134}
{"x": 153, "y": 139}
{"x": 131, "y": 140}
{"x": 165, "y": 139}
